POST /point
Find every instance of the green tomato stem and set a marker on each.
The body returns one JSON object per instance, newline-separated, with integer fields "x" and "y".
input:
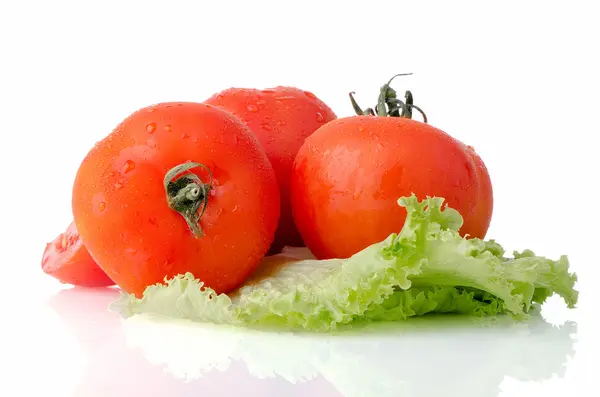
{"x": 187, "y": 194}
{"x": 388, "y": 104}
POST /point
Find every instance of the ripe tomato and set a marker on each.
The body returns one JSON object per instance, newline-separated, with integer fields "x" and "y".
{"x": 281, "y": 118}
{"x": 350, "y": 173}
{"x": 175, "y": 188}
{"x": 67, "y": 260}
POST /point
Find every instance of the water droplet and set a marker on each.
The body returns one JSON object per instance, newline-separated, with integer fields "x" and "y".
{"x": 266, "y": 126}
{"x": 168, "y": 128}
{"x": 281, "y": 122}
{"x": 152, "y": 110}
{"x": 251, "y": 108}
{"x": 128, "y": 166}
{"x": 101, "y": 206}
{"x": 285, "y": 98}
{"x": 184, "y": 136}
{"x": 310, "y": 95}
{"x": 361, "y": 129}
{"x": 235, "y": 208}
{"x": 180, "y": 104}
{"x": 320, "y": 117}
{"x": 268, "y": 91}
{"x": 168, "y": 106}
{"x": 150, "y": 128}
{"x": 261, "y": 103}
{"x": 118, "y": 185}
{"x": 220, "y": 96}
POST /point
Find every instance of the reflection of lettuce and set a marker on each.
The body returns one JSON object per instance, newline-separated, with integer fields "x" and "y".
{"x": 427, "y": 267}
{"x": 412, "y": 358}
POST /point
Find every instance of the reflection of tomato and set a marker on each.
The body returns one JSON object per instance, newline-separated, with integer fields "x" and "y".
{"x": 175, "y": 188}
{"x": 281, "y": 118}
{"x": 67, "y": 260}
{"x": 350, "y": 173}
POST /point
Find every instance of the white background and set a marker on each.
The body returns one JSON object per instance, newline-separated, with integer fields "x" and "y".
{"x": 518, "y": 80}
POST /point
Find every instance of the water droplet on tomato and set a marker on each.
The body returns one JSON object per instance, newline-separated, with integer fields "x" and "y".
{"x": 128, "y": 166}
{"x": 266, "y": 126}
{"x": 268, "y": 91}
{"x": 118, "y": 185}
{"x": 320, "y": 117}
{"x": 220, "y": 96}
{"x": 235, "y": 208}
{"x": 361, "y": 129}
{"x": 251, "y": 108}
{"x": 281, "y": 122}
{"x": 150, "y": 128}
{"x": 179, "y": 104}
{"x": 168, "y": 128}
{"x": 184, "y": 136}
{"x": 152, "y": 110}
{"x": 310, "y": 95}
{"x": 101, "y": 206}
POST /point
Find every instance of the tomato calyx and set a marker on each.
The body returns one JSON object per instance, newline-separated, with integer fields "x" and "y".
{"x": 388, "y": 104}
{"x": 187, "y": 194}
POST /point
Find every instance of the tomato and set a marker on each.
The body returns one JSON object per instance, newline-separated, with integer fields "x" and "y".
{"x": 67, "y": 260}
{"x": 176, "y": 188}
{"x": 350, "y": 173}
{"x": 281, "y": 118}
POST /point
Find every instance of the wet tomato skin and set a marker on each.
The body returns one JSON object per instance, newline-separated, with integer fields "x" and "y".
{"x": 68, "y": 260}
{"x": 281, "y": 118}
{"x": 350, "y": 173}
{"x": 121, "y": 210}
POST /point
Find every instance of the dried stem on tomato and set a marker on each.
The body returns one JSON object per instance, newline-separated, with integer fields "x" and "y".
{"x": 187, "y": 194}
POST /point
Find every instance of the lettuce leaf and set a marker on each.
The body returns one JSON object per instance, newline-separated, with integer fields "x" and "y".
{"x": 426, "y": 268}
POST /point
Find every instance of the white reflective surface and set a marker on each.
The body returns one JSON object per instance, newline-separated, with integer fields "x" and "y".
{"x": 518, "y": 80}
{"x": 85, "y": 351}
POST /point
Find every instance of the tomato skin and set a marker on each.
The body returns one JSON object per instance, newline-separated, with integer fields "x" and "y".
{"x": 121, "y": 210}
{"x": 350, "y": 173}
{"x": 478, "y": 223}
{"x": 281, "y": 118}
{"x": 67, "y": 260}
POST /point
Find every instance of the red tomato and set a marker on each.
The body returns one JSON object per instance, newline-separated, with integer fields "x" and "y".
{"x": 176, "y": 188}
{"x": 67, "y": 260}
{"x": 350, "y": 173}
{"x": 281, "y": 118}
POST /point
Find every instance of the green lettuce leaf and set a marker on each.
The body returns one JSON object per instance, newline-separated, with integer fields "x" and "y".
{"x": 426, "y": 268}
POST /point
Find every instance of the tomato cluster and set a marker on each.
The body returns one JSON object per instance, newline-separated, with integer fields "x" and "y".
{"x": 211, "y": 188}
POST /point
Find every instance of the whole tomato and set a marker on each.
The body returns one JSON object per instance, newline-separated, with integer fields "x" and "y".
{"x": 350, "y": 173}
{"x": 176, "y": 188}
{"x": 281, "y": 118}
